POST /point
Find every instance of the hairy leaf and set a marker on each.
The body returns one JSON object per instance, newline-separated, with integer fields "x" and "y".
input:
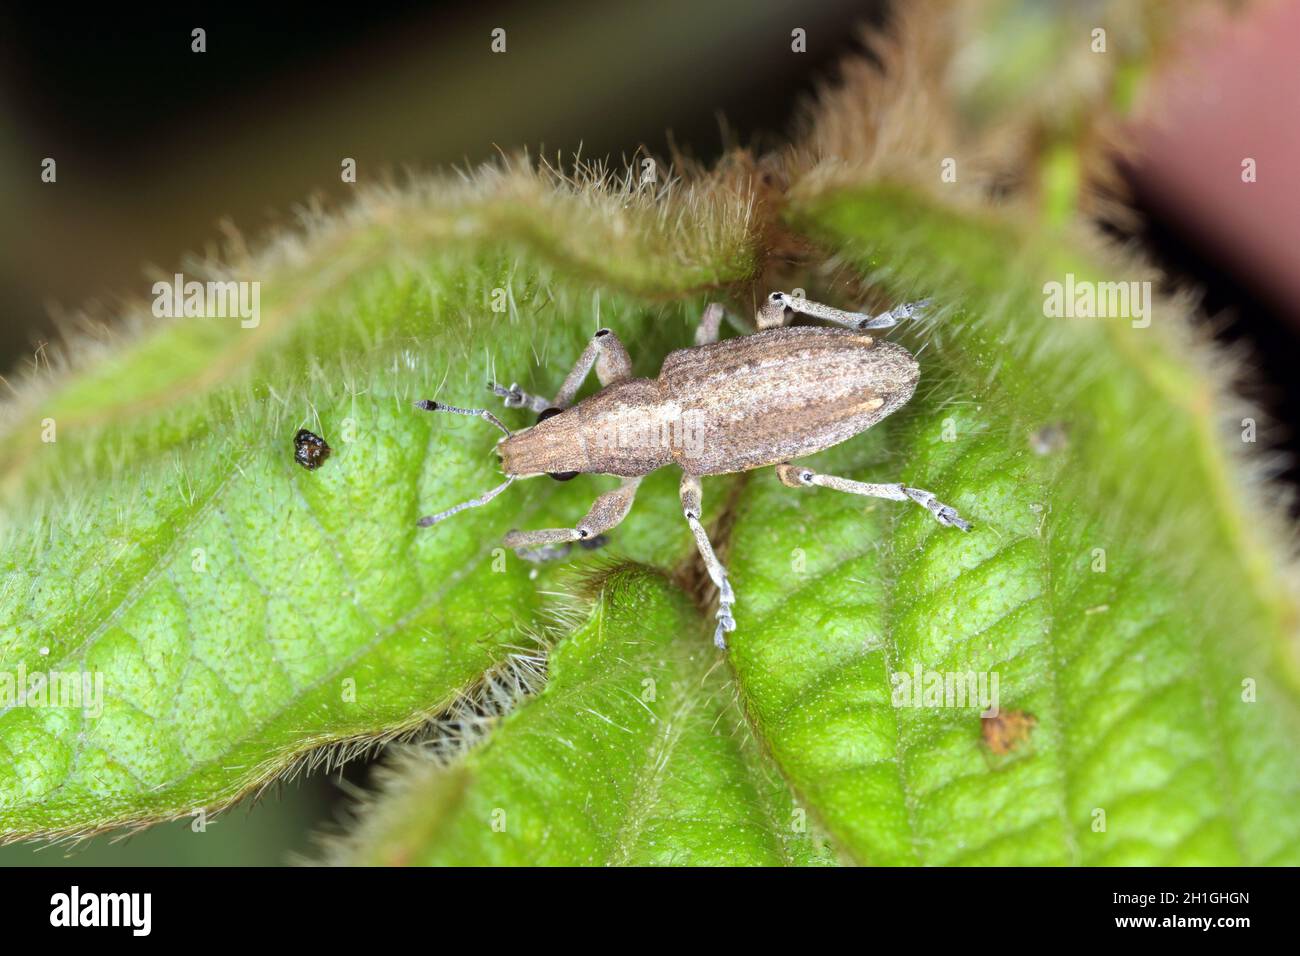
{"x": 1116, "y": 582}
{"x": 1124, "y": 591}
{"x": 242, "y": 611}
{"x": 1136, "y": 647}
{"x": 635, "y": 753}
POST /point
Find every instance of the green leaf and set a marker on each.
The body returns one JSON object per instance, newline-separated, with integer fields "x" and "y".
{"x": 1122, "y": 597}
{"x": 1134, "y": 658}
{"x": 634, "y": 753}
{"x": 1123, "y": 582}
{"x": 243, "y": 612}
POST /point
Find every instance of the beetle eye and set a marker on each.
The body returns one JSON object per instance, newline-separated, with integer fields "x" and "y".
{"x": 547, "y": 413}
{"x": 563, "y": 475}
{"x": 776, "y": 296}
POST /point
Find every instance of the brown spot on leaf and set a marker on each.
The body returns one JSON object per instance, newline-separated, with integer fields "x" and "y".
{"x": 1006, "y": 731}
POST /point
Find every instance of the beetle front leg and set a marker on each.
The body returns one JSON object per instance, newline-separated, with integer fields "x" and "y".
{"x": 710, "y": 325}
{"x": 604, "y": 351}
{"x": 546, "y": 553}
{"x": 607, "y": 354}
{"x": 692, "y": 495}
{"x": 610, "y": 509}
{"x": 771, "y": 314}
{"x": 797, "y": 476}
{"x": 514, "y": 397}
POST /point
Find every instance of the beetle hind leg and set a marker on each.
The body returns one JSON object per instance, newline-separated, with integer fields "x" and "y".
{"x": 691, "y": 495}
{"x": 797, "y": 476}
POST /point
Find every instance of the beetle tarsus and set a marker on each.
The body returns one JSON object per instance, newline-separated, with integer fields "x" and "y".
{"x": 607, "y": 511}
{"x": 558, "y": 552}
{"x": 887, "y": 320}
{"x": 726, "y": 623}
{"x": 514, "y": 397}
{"x": 944, "y": 514}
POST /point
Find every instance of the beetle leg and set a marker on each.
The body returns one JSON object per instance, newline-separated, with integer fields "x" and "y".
{"x": 691, "y": 494}
{"x": 515, "y": 398}
{"x": 797, "y": 476}
{"x": 555, "y": 552}
{"x": 710, "y": 324}
{"x": 887, "y": 320}
{"x": 609, "y": 509}
{"x": 604, "y": 351}
{"x": 773, "y": 313}
{"x": 610, "y": 358}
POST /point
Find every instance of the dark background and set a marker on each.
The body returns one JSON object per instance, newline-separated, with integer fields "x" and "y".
{"x": 156, "y": 146}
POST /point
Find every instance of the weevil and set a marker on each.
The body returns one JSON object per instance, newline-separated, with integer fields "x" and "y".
{"x": 718, "y": 407}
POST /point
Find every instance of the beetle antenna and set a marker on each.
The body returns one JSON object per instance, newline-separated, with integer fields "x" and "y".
{"x": 478, "y": 502}
{"x": 429, "y": 405}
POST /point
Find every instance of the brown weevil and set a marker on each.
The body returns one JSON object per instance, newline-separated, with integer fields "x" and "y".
{"x": 719, "y": 407}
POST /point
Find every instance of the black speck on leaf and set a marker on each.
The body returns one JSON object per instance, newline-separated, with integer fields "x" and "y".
{"x": 310, "y": 450}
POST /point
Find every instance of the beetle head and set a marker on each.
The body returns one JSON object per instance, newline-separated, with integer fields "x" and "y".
{"x": 544, "y": 449}
{"x": 548, "y": 448}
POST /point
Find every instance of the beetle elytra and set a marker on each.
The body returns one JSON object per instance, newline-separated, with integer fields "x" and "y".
{"x": 718, "y": 407}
